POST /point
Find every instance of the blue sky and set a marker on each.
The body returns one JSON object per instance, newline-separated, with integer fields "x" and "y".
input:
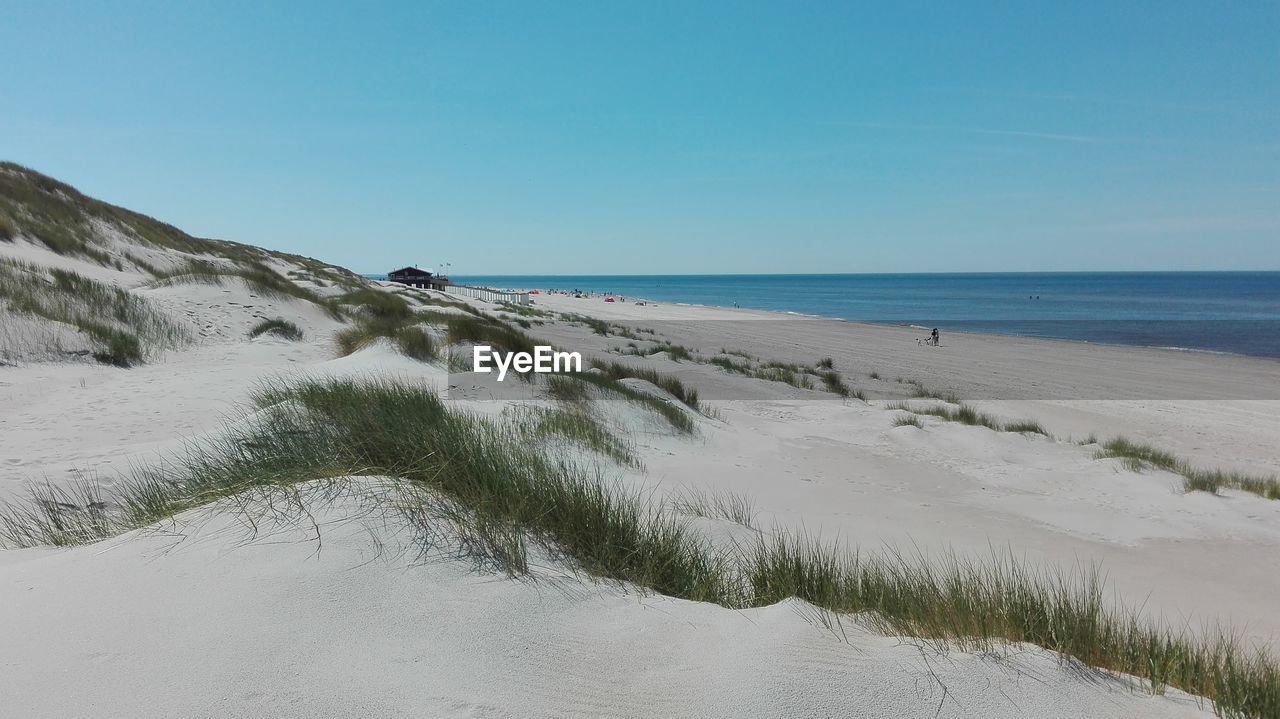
{"x": 669, "y": 137}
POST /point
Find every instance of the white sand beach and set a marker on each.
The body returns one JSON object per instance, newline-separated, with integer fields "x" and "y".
{"x": 336, "y": 611}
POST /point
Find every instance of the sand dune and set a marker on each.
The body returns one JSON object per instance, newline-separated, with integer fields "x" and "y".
{"x": 192, "y": 619}
{"x": 205, "y": 625}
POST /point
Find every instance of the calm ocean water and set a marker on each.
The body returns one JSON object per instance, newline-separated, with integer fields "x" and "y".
{"x": 1236, "y": 312}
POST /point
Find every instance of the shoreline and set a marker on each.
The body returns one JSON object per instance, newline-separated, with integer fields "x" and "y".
{"x": 788, "y": 314}
{"x": 1191, "y": 311}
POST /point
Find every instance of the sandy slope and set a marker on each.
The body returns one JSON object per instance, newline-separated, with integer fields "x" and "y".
{"x": 205, "y": 625}
{"x": 208, "y": 626}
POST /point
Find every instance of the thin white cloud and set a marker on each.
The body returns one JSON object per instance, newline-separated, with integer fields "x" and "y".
{"x": 1205, "y": 224}
{"x": 1071, "y": 97}
{"x": 1039, "y": 135}
{"x": 1028, "y": 134}
{"x": 1078, "y": 98}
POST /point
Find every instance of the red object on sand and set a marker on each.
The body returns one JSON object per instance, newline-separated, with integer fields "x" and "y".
{"x": 608, "y": 299}
{"x": 534, "y": 292}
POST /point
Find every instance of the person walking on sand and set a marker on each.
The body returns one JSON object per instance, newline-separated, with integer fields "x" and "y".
{"x": 933, "y": 337}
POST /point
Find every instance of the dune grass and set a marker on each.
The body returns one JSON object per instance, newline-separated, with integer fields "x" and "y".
{"x": 675, "y": 352}
{"x": 257, "y": 276}
{"x": 434, "y": 301}
{"x": 61, "y": 218}
{"x": 126, "y": 328}
{"x": 968, "y": 414}
{"x": 387, "y": 314}
{"x": 1025, "y": 426}
{"x": 976, "y": 605}
{"x": 579, "y": 427}
{"x": 572, "y": 388}
{"x": 508, "y": 493}
{"x": 524, "y": 310}
{"x": 513, "y": 491}
{"x": 490, "y": 331}
{"x": 434, "y": 318}
{"x": 415, "y": 343}
{"x": 507, "y": 483}
{"x": 673, "y": 385}
{"x": 597, "y": 326}
{"x": 716, "y": 504}
{"x": 920, "y": 391}
{"x": 728, "y": 364}
{"x": 1139, "y": 456}
{"x": 567, "y": 388}
{"x": 784, "y": 372}
{"x": 375, "y": 304}
{"x": 576, "y": 390}
{"x": 66, "y": 221}
{"x": 356, "y": 337}
{"x": 382, "y": 314}
{"x": 410, "y": 339}
{"x": 790, "y": 373}
{"x": 732, "y": 361}
{"x": 834, "y": 383}
{"x": 908, "y": 420}
{"x": 279, "y": 327}
{"x": 57, "y": 516}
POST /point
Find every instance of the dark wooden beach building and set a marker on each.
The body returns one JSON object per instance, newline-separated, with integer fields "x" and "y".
{"x": 415, "y": 277}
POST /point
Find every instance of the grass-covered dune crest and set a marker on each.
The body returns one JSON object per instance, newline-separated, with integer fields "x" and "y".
{"x": 78, "y": 278}
{"x": 68, "y": 222}
{"x": 505, "y": 495}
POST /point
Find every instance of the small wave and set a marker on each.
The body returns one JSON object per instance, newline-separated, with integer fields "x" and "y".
{"x": 1195, "y": 349}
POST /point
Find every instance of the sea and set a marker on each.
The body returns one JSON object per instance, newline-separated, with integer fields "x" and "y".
{"x": 1228, "y": 312}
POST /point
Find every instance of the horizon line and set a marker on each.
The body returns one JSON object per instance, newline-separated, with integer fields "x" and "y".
{"x": 839, "y": 274}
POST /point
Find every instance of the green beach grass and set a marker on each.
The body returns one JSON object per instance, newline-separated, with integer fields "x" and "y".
{"x": 969, "y": 415}
{"x": 256, "y": 275}
{"x": 716, "y": 504}
{"x": 279, "y": 327}
{"x": 68, "y": 222}
{"x": 673, "y": 385}
{"x": 574, "y": 389}
{"x": 126, "y": 328}
{"x": 1138, "y": 456}
{"x": 388, "y": 315}
{"x": 908, "y": 420}
{"x": 790, "y": 373}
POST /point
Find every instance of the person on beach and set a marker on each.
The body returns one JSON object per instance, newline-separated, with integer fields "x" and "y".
{"x": 933, "y": 337}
